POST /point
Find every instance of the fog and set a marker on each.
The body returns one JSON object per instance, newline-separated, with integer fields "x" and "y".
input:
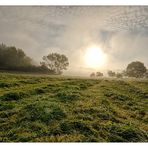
{"x": 121, "y": 32}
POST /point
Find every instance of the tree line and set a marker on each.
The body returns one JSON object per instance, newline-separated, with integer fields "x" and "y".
{"x": 134, "y": 69}
{"x": 14, "y": 59}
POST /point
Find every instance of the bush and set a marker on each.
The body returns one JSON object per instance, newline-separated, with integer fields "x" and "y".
{"x": 119, "y": 75}
{"x": 136, "y": 69}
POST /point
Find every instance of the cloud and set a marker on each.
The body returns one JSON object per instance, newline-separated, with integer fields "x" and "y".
{"x": 120, "y": 31}
{"x": 126, "y": 47}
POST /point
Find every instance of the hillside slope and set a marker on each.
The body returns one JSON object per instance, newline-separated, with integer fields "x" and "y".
{"x": 60, "y": 109}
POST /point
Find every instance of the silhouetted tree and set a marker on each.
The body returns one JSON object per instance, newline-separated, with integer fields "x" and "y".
{"x": 99, "y": 74}
{"x": 146, "y": 74}
{"x": 12, "y": 57}
{"x": 124, "y": 74}
{"x": 56, "y": 62}
{"x": 119, "y": 75}
{"x": 136, "y": 69}
{"x": 92, "y": 75}
{"x": 15, "y": 59}
{"x": 111, "y": 73}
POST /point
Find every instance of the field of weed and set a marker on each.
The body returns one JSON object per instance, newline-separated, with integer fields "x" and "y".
{"x": 63, "y": 109}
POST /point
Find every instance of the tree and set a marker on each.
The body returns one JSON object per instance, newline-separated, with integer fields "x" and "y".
{"x": 11, "y": 57}
{"x": 146, "y": 74}
{"x": 136, "y": 69}
{"x": 14, "y": 59}
{"x": 119, "y": 75}
{"x": 111, "y": 73}
{"x": 124, "y": 74}
{"x": 92, "y": 75}
{"x": 99, "y": 74}
{"x": 56, "y": 62}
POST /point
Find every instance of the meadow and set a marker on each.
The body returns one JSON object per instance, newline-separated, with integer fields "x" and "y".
{"x": 41, "y": 108}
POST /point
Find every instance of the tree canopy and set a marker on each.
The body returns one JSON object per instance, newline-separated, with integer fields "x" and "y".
{"x": 92, "y": 75}
{"x": 99, "y": 74}
{"x": 111, "y": 73}
{"x": 136, "y": 69}
{"x": 56, "y": 62}
{"x": 13, "y": 57}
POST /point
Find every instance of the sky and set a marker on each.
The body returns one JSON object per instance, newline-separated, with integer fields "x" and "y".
{"x": 120, "y": 32}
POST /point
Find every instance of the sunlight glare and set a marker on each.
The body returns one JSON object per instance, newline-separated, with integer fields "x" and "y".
{"x": 94, "y": 57}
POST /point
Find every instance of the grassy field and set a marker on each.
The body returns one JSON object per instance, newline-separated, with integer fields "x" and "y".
{"x": 62, "y": 109}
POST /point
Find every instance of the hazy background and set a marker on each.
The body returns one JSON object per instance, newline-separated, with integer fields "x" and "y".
{"x": 121, "y": 32}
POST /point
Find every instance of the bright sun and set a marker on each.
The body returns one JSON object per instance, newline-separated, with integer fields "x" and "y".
{"x": 94, "y": 57}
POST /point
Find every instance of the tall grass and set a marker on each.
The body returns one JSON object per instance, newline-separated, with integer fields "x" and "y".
{"x": 63, "y": 109}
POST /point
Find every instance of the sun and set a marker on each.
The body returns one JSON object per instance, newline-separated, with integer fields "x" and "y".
{"x": 95, "y": 57}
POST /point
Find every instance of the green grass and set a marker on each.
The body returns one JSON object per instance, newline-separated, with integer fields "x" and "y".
{"x": 38, "y": 108}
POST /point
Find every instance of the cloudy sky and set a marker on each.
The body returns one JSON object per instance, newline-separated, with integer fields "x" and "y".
{"x": 120, "y": 32}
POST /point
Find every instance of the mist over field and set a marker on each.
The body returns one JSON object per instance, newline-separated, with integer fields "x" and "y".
{"x": 73, "y": 74}
{"x": 120, "y": 32}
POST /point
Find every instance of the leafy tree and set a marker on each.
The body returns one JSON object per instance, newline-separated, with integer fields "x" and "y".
{"x": 92, "y": 75}
{"x": 15, "y": 59}
{"x": 124, "y": 74}
{"x": 111, "y": 73}
{"x": 119, "y": 75}
{"x": 99, "y": 74}
{"x": 146, "y": 74}
{"x": 56, "y": 62}
{"x": 136, "y": 69}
